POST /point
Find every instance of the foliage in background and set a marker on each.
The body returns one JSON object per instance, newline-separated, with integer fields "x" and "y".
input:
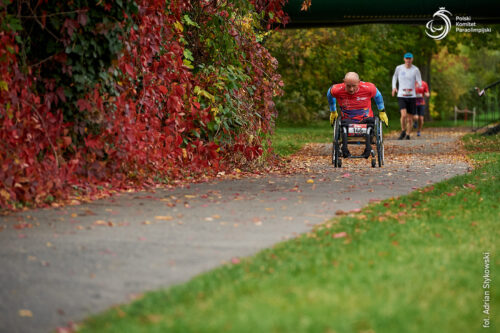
{"x": 454, "y": 76}
{"x": 121, "y": 92}
{"x": 310, "y": 61}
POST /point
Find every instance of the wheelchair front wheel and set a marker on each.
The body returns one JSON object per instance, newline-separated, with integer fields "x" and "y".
{"x": 336, "y": 161}
{"x": 380, "y": 141}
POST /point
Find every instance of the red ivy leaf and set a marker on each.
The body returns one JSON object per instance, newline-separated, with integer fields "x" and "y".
{"x": 163, "y": 89}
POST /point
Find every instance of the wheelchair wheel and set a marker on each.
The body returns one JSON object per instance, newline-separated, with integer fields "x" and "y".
{"x": 336, "y": 161}
{"x": 380, "y": 141}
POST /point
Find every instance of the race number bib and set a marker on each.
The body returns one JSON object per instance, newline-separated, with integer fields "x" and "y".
{"x": 407, "y": 92}
{"x": 357, "y": 129}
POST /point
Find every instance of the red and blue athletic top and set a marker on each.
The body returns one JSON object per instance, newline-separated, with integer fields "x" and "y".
{"x": 358, "y": 105}
{"x": 420, "y": 91}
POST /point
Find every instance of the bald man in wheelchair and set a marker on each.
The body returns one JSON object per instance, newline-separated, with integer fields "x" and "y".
{"x": 354, "y": 99}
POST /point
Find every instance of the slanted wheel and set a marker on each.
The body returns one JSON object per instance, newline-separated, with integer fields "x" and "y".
{"x": 335, "y": 155}
{"x": 380, "y": 141}
{"x": 373, "y": 163}
{"x": 336, "y": 145}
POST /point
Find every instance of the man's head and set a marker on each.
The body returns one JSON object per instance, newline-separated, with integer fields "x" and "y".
{"x": 351, "y": 81}
{"x": 408, "y": 59}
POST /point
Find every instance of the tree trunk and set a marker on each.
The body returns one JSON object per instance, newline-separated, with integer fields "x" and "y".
{"x": 426, "y": 76}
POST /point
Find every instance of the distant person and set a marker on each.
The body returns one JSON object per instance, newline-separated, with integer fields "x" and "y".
{"x": 406, "y": 75}
{"x": 421, "y": 92}
{"x": 354, "y": 98}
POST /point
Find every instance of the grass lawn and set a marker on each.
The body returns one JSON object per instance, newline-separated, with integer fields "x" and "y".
{"x": 412, "y": 264}
{"x": 288, "y": 139}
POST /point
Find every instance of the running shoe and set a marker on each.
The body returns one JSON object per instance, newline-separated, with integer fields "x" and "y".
{"x": 418, "y": 133}
{"x": 402, "y": 135}
{"x": 408, "y": 137}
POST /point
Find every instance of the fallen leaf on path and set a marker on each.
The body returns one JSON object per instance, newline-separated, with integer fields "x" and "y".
{"x": 310, "y": 181}
{"x": 164, "y": 218}
{"x": 23, "y": 226}
{"x": 339, "y": 235}
{"x": 71, "y": 328}
{"x": 25, "y": 313}
{"x": 235, "y": 260}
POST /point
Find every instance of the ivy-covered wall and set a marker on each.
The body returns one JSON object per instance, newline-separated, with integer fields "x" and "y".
{"x": 103, "y": 95}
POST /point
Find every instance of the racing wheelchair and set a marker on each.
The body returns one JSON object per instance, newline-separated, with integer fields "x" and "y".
{"x": 357, "y": 133}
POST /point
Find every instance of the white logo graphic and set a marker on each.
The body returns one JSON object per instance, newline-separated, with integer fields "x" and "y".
{"x": 360, "y": 98}
{"x": 440, "y": 25}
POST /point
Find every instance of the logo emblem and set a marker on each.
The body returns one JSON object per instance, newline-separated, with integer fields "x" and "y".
{"x": 440, "y": 24}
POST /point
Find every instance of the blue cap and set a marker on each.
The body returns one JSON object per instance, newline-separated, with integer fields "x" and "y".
{"x": 408, "y": 55}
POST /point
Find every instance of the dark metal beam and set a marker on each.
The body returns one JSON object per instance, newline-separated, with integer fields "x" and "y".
{"x": 339, "y": 13}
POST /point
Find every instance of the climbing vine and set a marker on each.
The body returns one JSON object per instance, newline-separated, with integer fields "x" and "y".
{"x": 119, "y": 94}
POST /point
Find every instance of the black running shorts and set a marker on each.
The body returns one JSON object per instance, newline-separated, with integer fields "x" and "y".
{"x": 408, "y": 103}
{"x": 420, "y": 110}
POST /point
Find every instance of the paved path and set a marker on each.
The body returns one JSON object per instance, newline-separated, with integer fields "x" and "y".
{"x": 61, "y": 265}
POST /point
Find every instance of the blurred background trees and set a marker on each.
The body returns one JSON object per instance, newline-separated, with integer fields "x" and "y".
{"x": 311, "y": 60}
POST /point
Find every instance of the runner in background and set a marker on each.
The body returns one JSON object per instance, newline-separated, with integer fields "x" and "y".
{"x": 406, "y": 75}
{"x": 421, "y": 92}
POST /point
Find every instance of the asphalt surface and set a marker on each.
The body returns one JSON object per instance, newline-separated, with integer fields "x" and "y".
{"x": 61, "y": 265}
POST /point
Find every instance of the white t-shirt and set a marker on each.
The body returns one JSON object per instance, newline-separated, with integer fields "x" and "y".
{"x": 406, "y": 78}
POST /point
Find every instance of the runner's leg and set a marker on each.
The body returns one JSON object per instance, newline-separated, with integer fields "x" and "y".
{"x": 409, "y": 123}
{"x": 420, "y": 117}
{"x": 411, "y": 111}
{"x": 402, "y": 120}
